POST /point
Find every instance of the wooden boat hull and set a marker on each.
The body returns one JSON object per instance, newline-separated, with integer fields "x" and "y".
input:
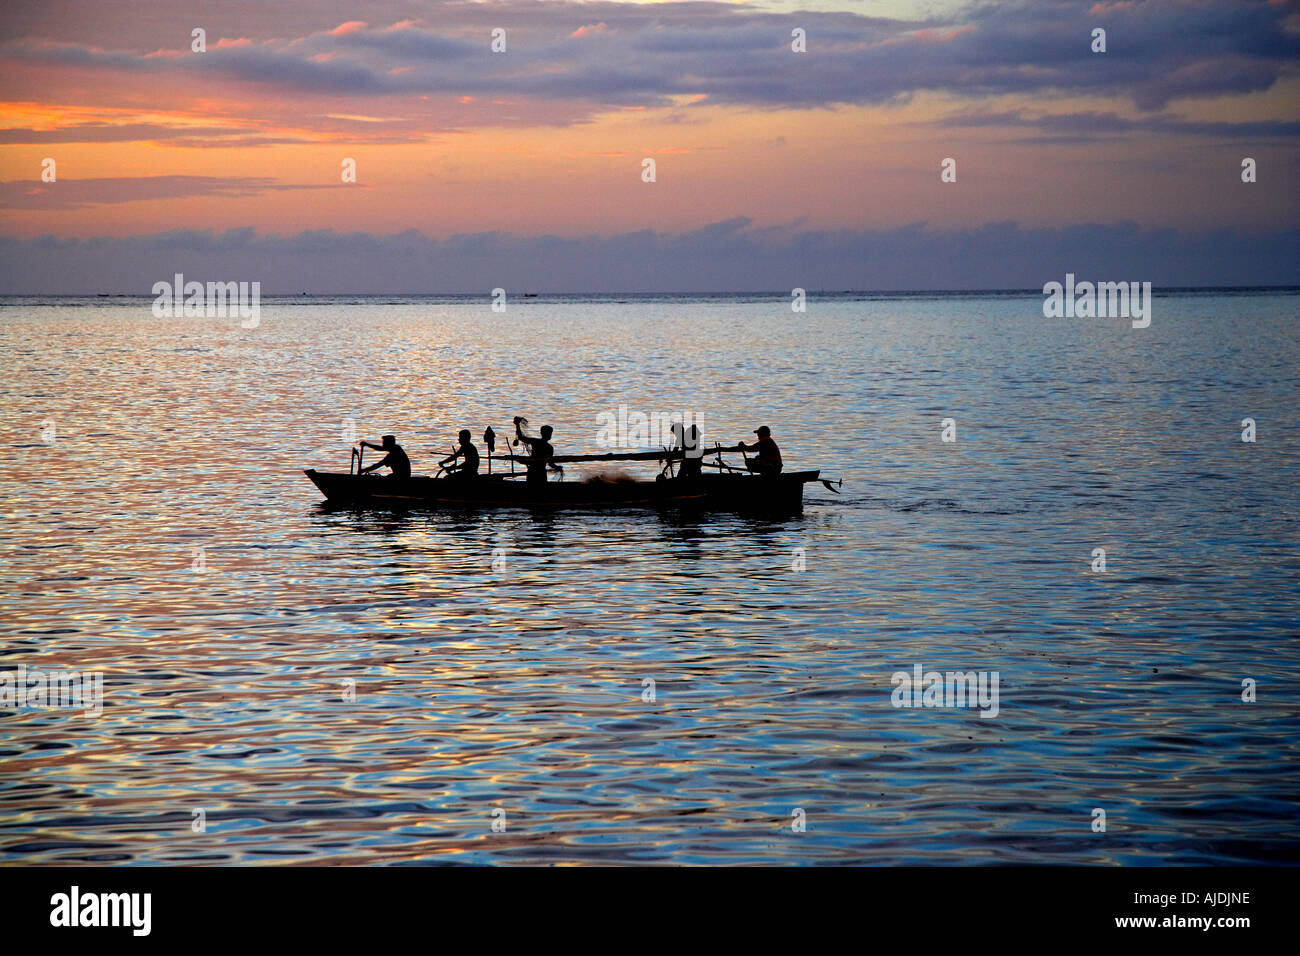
{"x": 726, "y": 492}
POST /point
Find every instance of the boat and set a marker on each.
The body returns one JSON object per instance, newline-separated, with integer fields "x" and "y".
{"x": 731, "y": 489}
{"x": 773, "y": 493}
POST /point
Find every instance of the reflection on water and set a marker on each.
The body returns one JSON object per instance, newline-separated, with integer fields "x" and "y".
{"x": 353, "y": 686}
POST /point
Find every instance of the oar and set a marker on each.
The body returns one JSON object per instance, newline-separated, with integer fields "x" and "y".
{"x": 719, "y": 464}
{"x": 619, "y": 456}
{"x": 511, "y": 457}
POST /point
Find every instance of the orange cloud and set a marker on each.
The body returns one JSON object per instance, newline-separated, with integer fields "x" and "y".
{"x": 352, "y": 26}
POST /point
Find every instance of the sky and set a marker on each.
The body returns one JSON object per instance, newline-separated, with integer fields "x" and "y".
{"x": 524, "y": 168}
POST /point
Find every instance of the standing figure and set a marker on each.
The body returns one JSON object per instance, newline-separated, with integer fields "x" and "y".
{"x": 538, "y": 448}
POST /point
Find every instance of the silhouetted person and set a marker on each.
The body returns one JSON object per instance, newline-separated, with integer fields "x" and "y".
{"x": 538, "y": 448}
{"x": 768, "y": 460}
{"x": 468, "y": 467}
{"x": 687, "y": 438}
{"x": 395, "y": 459}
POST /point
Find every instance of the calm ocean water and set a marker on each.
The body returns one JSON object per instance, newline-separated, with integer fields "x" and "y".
{"x": 518, "y": 689}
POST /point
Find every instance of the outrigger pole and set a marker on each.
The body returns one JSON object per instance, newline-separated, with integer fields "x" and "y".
{"x": 615, "y": 456}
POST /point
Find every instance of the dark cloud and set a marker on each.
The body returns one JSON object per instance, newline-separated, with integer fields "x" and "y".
{"x": 1091, "y": 124}
{"x": 1156, "y": 53}
{"x": 410, "y": 44}
{"x": 722, "y": 257}
{"x": 80, "y": 193}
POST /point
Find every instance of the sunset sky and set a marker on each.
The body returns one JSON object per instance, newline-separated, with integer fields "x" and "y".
{"x": 477, "y": 169}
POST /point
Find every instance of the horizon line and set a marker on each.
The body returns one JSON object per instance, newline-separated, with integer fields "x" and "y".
{"x": 778, "y": 294}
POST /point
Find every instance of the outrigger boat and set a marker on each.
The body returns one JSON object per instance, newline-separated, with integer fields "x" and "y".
{"x": 730, "y": 489}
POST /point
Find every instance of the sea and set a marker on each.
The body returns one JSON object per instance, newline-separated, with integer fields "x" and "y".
{"x": 1099, "y": 524}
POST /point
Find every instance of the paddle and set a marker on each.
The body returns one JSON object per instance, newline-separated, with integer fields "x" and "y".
{"x": 508, "y": 455}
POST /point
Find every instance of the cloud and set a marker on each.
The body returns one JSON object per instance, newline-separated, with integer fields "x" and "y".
{"x": 1091, "y": 124}
{"x": 352, "y": 26}
{"x": 212, "y": 136}
{"x": 647, "y": 54}
{"x": 81, "y": 193}
{"x": 728, "y": 256}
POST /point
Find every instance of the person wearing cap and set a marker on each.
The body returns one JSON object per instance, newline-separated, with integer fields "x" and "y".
{"x": 768, "y": 459}
{"x": 468, "y": 468}
{"x": 395, "y": 459}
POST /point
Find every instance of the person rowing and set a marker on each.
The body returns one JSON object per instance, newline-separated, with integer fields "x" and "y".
{"x": 768, "y": 459}
{"x": 539, "y": 449}
{"x": 687, "y": 440}
{"x": 395, "y": 459}
{"x": 468, "y": 467}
